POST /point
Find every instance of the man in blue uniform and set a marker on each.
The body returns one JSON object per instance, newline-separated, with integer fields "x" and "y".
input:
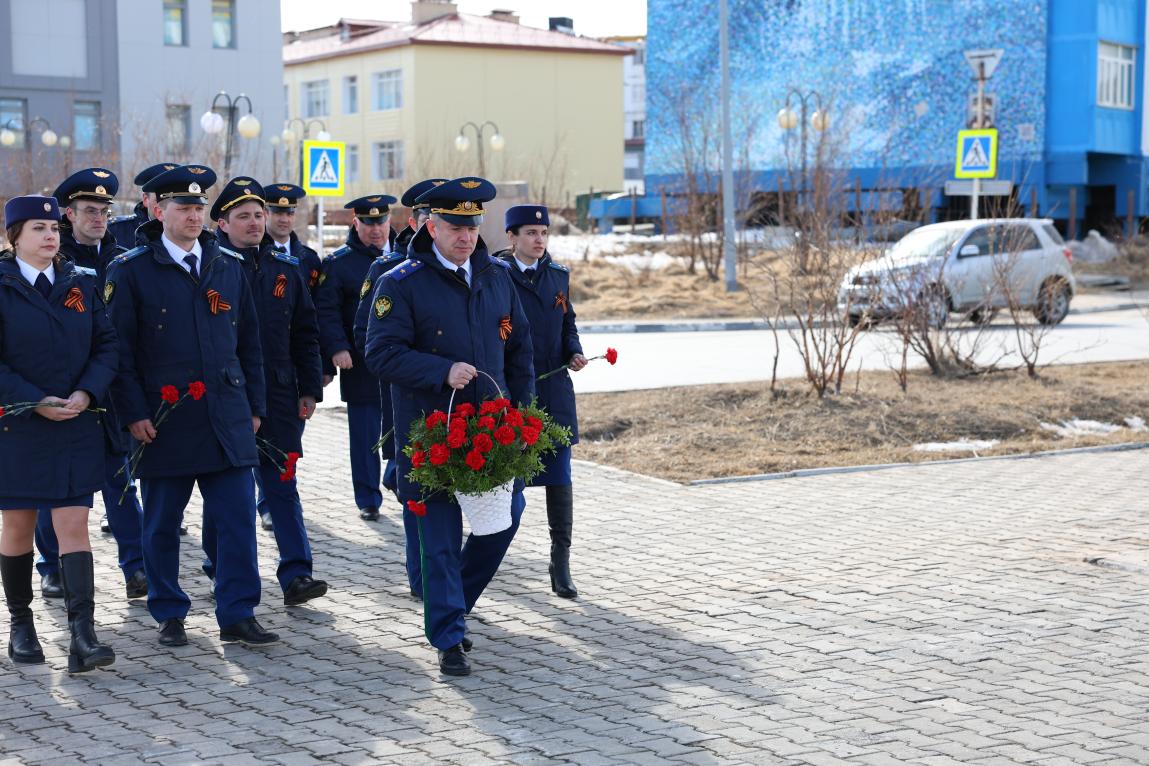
{"x": 185, "y": 318}
{"x": 282, "y": 200}
{"x": 124, "y": 227}
{"x": 438, "y": 319}
{"x": 544, "y": 290}
{"x": 384, "y": 263}
{"x": 290, "y": 340}
{"x": 336, "y": 299}
{"x": 85, "y": 198}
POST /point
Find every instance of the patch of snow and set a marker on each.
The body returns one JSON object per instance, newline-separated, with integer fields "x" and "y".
{"x": 1075, "y": 428}
{"x": 961, "y": 445}
{"x": 1093, "y": 249}
{"x": 1136, "y": 424}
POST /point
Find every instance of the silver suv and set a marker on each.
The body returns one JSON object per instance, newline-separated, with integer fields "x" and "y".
{"x": 974, "y": 268}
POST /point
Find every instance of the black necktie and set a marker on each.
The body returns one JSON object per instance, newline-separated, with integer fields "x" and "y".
{"x": 44, "y": 285}
{"x": 190, "y": 260}
{"x": 462, "y": 273}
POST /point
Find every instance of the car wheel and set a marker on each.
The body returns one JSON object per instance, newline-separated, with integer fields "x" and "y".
{"x": 935, "y": 307}
{"x": 983, "y": 316}
{"x": 1053, "y": 302}
{"x": 861, "y": 321}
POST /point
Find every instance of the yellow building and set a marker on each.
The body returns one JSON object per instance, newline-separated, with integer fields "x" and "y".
{"x": 531, "y": 105}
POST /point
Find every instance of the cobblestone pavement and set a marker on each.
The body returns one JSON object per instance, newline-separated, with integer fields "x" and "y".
{"x": 925, "y": 615}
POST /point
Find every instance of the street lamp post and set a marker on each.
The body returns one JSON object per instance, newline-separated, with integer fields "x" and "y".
{"x": 290, "y": 137}
{"x": 819, "y": 120}
{"x": 48, "y": 136}
{"x": 462, "y": 143}
{"x": 213, "y": 122}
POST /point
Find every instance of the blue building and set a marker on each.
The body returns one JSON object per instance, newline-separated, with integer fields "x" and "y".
{"x": 891, "y": 79}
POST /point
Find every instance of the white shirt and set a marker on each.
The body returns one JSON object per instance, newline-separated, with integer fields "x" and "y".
{"x": 282, "y": 246}
{"x": 452, "y": 267}
{"x": 525, "y": 267}
{"x": 30, "y": 272}
{"x": 178, "y": 253}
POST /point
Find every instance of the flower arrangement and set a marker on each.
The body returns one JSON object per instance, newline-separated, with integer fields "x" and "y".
{"x": 471, "y": 452}
{"x": 611, "y": 356}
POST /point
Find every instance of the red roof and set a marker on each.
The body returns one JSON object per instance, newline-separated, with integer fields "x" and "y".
{"x": 460, "y": 30}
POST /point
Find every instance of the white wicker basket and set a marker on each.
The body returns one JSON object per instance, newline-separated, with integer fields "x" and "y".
{"x": 489, "y": 512}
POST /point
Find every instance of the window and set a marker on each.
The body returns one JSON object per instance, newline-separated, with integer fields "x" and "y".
{"x": 350, "y": 94}
{"x": 639, "y": 57}
{"x": 1116, "y": 76}
{"x": 223, "y": 23}
{"x": 387, "y": 90}
{"x": 352, "y": 161}
{"x": 314, "y": 100}
{"x": 636, "y": 128}
{"x": 86, "y": 125}
{"x": 388, "y": 160}
{"x": 13, "y": 117}
{"x": 179, "y": 129}
{"x": 175, "y": 22}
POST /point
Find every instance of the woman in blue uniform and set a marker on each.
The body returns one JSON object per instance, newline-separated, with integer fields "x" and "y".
{"x": 544, "y": 290}
{"x": 57, "y": 349}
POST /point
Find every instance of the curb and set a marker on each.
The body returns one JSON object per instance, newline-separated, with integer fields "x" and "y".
{"x": 807, "y": 472}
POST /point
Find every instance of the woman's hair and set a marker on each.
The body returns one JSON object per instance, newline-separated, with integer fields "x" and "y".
{"x": 12, "y": 232}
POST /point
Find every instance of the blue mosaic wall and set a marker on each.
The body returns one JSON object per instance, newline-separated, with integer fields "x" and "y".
{"x": 893, "y": 71}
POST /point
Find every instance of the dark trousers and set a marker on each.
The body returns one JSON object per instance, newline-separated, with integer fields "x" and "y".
{"x": 414, "y": 568}
{"x": 455, "y": 574}
{"x": 229, "y": 507}
{"x": 281, "y": 500}
{"x": 363, "y": 423}
{"x": 124, "y": 517}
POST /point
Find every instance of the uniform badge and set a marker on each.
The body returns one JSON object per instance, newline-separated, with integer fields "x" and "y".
{"x": 109, "y": 291}
{"x": 241, "y": 182}
{"x": 47, "y": 207}
{"x": 194, "y": 188}
{"x": 280, "y": 286}
{"x": 382, "y": 307}
{"x": 216, "y": 302}
{"x": 284, "y": 201}
{"x": 100, "y": 174}
{"x": 322, "y": 278}
{"x": 505, "y": 327}
{"x": 366, "y": 288}
{"x": 75, "y": 300}
{"x": 101, "y": 190}
{"x": 561, "y": 301}
{"x": 470, "y": 184}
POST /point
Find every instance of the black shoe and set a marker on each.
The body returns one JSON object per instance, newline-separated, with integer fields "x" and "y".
{"x": 416, "y": 595}
{"x": 247, "y": 632}
{"x": 105, "y": 525}
{"x": 453, "y": 662}
{"x": 183, "y": 530}
{"x": 137, "y": 585}
{"x": 50, "y": 586}
{"x": 466, "y": 644}
{"x": 78, "y": 576}
{"x": 265, "y": 522}
{"x": 371, "y": 513}
{"x": 172, "y": 633}
{"x": 302, "y": 589}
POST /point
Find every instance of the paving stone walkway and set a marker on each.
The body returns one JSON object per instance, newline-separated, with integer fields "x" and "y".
{"x": 925, "y": 615}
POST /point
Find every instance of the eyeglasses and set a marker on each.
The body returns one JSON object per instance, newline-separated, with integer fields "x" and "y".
{"x": 94, "y": 213}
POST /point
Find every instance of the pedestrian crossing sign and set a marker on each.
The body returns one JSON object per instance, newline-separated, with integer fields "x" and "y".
{"x": 976, "y": 154}
{"x": 323, "y": 166}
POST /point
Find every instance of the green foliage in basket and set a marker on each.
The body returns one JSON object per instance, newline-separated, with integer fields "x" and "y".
{"x": 472, "y": 452}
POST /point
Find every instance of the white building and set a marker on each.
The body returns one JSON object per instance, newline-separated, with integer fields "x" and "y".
{"x": 634, "y": 105}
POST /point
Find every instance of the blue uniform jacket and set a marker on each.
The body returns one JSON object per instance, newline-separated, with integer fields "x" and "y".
{"x": 123, "y": 228}
{"x": 309, "y": 263}
{"x": 289, "y": 337}
{"x": 48, "y": 348}
{"x": 336, "y": 300}
{"x": 554, "y": 335}
{"x": 169, "y": 335}
{"x": 379, "y": 267}
{"x": 87, "y": 257}
{"x": 424, "y": 318}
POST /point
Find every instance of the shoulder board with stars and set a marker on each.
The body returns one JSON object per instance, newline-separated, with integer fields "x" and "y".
{"x": 286, "y": 258}
{"x": 404, "y": 270}
{"x": 340, "y": 252}
{"x": 388, "y": 258}
{"x": 125, "y": 257}
{"x": 558, "y": 266}
{"x": 232, "y": 253}
{"x": 501, "y": 262}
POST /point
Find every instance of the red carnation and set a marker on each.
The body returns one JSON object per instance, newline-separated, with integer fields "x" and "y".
{"x": 483, "y": 443}
{"x": 458, "y": 424}
{"x": 513, "y": 417}
{"x": 530, "y": 435}
{"x": 418, "y": 458}
{"x": 457, "y": 438}
{"x": 534, "y": 423}
{"x": 417, "y": 508}
{"x": 196, "y": 389}
{"x": 504, "y": 434}
{"x": 465, "y": 410}
{"x": 293, "y": 458}
{"x": 502, "y": 404}
{"x": 170, "y": 394}
{"x": 287, "y": 474}
{"x": 487, "y": 422}
{"x": 1, "y": 412}
{"x": 435, "y": 418}
{"x": 476, "y": 460}
{"x": 439, "y": 454}
{"x": 611, "y": 355}
{"x": 487, "y": 408}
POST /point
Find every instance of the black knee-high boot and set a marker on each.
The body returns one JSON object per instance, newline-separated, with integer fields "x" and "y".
{"x": 23, "y": 646}
{"x": 560, "y": 518}
{"x": 85, "y": 652}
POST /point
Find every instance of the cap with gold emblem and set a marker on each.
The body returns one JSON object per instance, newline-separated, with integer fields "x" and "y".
{"x": 152, "y": 171}
{"x": 526, "y": 215}
{"x": 372, "y": 207}
{"x": 32, "y": 207}
{"x": 459, "y": 201}
{"x": 185, "y": 184}
{"x": 99, "y": 184}
{"x": 237, "y": 191}
{"x": 416, "y": 191}
{"x": 283, "y": 197}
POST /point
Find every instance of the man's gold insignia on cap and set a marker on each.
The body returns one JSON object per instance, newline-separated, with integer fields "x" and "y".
{"x": 169, "y": 167}
{"x": 438, "y": 183}
{"x": 101, "y": 190}
{"x": 374, "y": 199}
{"x": 241, "y": 182}
{"x": 197, "y": 171}
{"x": 247, "y": 192}
{"x": 284, "y": 188}
{"x": 284, "y": 201}
{"x": 193, "y": 187}
{"x": 373, "y": 211}
{"x": 470, "y": 184}
{"x": 468, "y": 205}
{"x": 100, "y": 174}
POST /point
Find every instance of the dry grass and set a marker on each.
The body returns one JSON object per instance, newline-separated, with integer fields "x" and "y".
{"x": 713, "y": 431}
